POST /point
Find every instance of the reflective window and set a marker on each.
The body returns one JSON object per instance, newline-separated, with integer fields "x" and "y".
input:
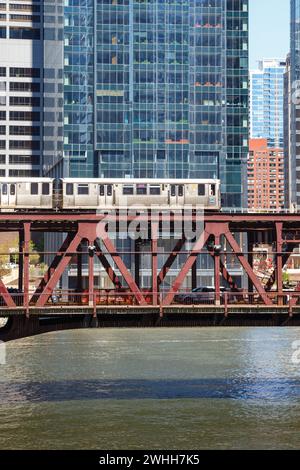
{"x": 155, "y": 190}
{"x": 69, "y": 189}
{"x": 128, "y": 190}
{"x": 201, "y": 189}
{"x": 45, "y": 189}
{"x": 83, "y": 189}
{"x": 34, "y": 188}
{"x": 141, "y": 189}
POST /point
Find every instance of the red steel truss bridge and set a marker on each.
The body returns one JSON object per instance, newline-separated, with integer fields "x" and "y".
{"x": 255, "y": 293}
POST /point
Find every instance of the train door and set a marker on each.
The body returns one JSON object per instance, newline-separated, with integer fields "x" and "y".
{"x": 105, "y": 195}
{"x": 8, "y": 195}
{"x": 177, "y": 195}
{"x": 180, "y": 195}
{"x": 212, "y": 194}
{"x": 12, "y": 196}
{"x": 102, "y": 195}
{"x": 173, "y": 197}
{"x": 4, "y": 195}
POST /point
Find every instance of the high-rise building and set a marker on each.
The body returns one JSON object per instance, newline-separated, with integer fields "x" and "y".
{"x": 287, "y": 110}
{"x": 292, "y": 142}
{"x": 21, "y": 88}
{"x": 265, "y": 176}
{"x": 157, "y": 89}
{"x": 266, "y": 101}
{"x": 125, "y": 88}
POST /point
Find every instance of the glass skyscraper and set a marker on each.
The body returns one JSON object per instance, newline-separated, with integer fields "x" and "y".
{"x": 266, "y": 102}
{"x": 293, "y": 143}
{"x": 157, "y": 89}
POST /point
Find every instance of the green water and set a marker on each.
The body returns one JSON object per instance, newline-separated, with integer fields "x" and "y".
{"x": 152, "y": 388}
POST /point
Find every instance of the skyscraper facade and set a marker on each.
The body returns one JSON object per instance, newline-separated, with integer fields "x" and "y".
{"x": 157, "y": 89}
{"x": 294, "y": 116}
{"x": 125, "y": 88}
{"x": 266, "y": 101}
{"x": 21, "y": 88}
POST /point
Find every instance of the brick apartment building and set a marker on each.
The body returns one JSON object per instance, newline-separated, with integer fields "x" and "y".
{"x": 265, "y": 176}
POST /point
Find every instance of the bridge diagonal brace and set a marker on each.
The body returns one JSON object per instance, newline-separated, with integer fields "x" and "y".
{"x": 6, "y": 295}
{"x": 238, "y": 252}
{"x": 121, "y": 265}
{"x": 50, "y": 286}
{"x": 106, "y": 265}
{"x": 54, "y": 264}
{"x": 285, "y": 258}
{"x": 186, "y": 268}
{"x": 225, "y": 273}
{"x": 169, "y": 262}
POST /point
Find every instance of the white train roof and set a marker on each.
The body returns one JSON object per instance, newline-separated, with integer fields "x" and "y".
{"x": 139, "y": 181}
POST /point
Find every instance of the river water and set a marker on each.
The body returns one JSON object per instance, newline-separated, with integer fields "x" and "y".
{"x": 223, "y": 388}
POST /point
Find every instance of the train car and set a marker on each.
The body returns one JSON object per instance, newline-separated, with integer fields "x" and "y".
{"x": 26, "y": 194}
{"x": 107, "y": 193}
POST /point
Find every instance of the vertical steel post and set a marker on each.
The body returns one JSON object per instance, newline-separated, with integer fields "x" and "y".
{"x": 21, "y": 261}
{"x": 154, "y": 248}
{"x": 91, "y": 273}
{"x": 137, "y": 262}
{"x": 79, "y": 268}
{"x": 26, "y": 274}
{"x": 279, "y": 263}
{"x": 217, "y": 264}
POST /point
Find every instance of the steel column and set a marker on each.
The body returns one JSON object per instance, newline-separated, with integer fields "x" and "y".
{"x": 79, "y": 268}
{"x": 21, "y": 265}
{"x": 91, "y": 272}
{"x": 279, "y": 265}
{"x": 217, "y": 269}
{"x": 154, "y": 249}
{"x": 27, "y": 226}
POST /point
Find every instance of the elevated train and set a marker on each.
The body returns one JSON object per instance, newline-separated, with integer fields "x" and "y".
{"x": 74, "y": 194}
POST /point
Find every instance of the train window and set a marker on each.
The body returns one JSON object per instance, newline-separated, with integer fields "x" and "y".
{"x": 109, "y": 190}
{"x": 173, "y": 190}
{"x": 201, "y": 189}
{"x": 4, "y": 189}
{"x": 69, "y": 189}
{"x": 34, "y": 188}
{"x": 128, "y": 190}
{"x": 141, "y": 189}
{"x": 45, "y": 189}
{"x": 180, "y": 190}
{"x": 213, "y": 190}
{"x": 155, "y": 190}
{"x": 101, "y": 190}
{"x": 12, "y": 189}
{"x": 83, "y": 189}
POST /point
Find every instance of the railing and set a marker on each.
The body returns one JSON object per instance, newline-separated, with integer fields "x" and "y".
{"x": 126, "y": 299}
